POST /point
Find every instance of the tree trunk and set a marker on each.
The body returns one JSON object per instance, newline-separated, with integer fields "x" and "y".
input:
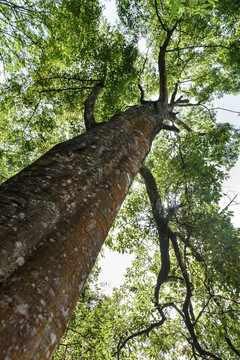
{"x": 54, "y": 218}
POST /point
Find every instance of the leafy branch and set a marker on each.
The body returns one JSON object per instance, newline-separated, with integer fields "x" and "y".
{"x": 165, "y": 234}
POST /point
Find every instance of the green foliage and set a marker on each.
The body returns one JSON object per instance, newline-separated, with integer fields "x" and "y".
{"x": 53, "y": 53}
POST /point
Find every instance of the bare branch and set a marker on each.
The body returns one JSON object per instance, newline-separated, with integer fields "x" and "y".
{"x": 14, "y": 6}
{"x": 165, "y": 233}
{"x": 220, "y": 108}
{"x": 89, "y": 107}
{"x": 170, "y": 128}
{"x": 187, "y": 301}
{"x": 230, "y": 344}
{"x": 70, "y": 78}
{"x": 198, "y": 46}
{"x": 33, "y": 113}
{"x": 164, "y": 27}
{"x": 202, "y": 310}
{"x": 141, "y": 332}
{"x": 158, "y": 214}
{"x": 163, "y": 97}
{"x": 174, "y": 93}
{"x": 75, "y": 88}
{"x": 226, "y": 207}
{"x": 186, "y": 103}
{"x": 142, "y": 94}
{"x": 177, "y": 121}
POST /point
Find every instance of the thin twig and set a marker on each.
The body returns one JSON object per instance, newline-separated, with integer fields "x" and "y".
{"x": 226, "y": 207}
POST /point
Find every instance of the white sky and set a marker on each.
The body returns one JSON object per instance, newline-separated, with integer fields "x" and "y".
{"x": 114, "y": 264}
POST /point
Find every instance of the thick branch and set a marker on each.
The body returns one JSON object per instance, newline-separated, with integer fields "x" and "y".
{"x": 164, "y": 27}
{"x": 177, "y": 121}
{"x": 186, "y": 103}
{"x": 230, "y": 344}
{"x": 164, "y": 234}
{"x": 161, "y": 223}
{"x": 174, "y": 93}
{"x": 170, "y": 128}
{"x": 89, "y": 107}
{"x": 142, "y": 94}
{"x": 187, "y": 301}
{"x": 163, "y": 98}
{"x": 75, "y": 88}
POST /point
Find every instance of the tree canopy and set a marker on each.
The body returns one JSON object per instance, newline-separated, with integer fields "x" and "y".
{"x": 180, "y": 299}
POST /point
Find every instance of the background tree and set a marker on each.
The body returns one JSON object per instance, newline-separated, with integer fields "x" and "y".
{"x": 53, "y": 210}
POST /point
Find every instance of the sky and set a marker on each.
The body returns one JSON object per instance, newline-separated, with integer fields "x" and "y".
{"x": 114, "y": 264}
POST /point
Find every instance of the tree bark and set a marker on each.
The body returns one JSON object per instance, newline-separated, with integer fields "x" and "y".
{"x": 54, "y": 218}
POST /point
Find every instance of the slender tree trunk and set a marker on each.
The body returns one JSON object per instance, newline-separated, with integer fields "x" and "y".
{"x": 54, "y": 218}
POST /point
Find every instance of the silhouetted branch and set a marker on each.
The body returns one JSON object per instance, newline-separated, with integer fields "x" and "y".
{"x": 202, "y": 311}
{"x": 142, "y": 94}
{"x": 170, "y": 128}
{"x": 187, "y": 301}
{"x": 138, "y": 333}
{"x": 185, "y": 103}
{"x": 163, "y": 97}
{"x": 75, "y": 88}
{"x": 227, "y": 206}
{"x": 233, "y": 111}
{"x": 164, "y": 27}
{"x": 230, "y": 344}
{"x": 158, "y": 214}
{"x": 174, "y": 93}
{"x": 14, "y": 6}
{"x": 199, "y": 46}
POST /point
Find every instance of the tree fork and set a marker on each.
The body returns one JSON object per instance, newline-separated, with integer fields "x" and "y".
{"x": 54, "y": 218}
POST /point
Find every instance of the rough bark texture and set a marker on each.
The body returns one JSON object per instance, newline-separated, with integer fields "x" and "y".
{"x": 54, "y": 218}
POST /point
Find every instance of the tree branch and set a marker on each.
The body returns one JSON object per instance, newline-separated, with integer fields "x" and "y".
{"x": 174, "y": 93}
{"x": 89, "y": 104}
{"x": 14, "y": 6}
{"x": 177, "y": 121}
{"x": 170, "y": 128}
{"x": 164, "y": 27}
{"x": 158, "y": 214}
{"x": 202, "y": 311}
{"x": 187, "y": 301}
{"x": 66, "y": 89}
{"x": 163, "y": 97}
{"x": 198, "y": 46}
{"x": 230, "y": 344}
{"x": 165, "y": 233}
{"x": 138, "y": 333}
{"x": 220, "y": 108}
{"x": 142, "y": 94}
{"x": 226, "y": 207}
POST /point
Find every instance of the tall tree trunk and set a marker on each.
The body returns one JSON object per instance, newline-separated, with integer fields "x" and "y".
{"x": 54, "y": 218}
